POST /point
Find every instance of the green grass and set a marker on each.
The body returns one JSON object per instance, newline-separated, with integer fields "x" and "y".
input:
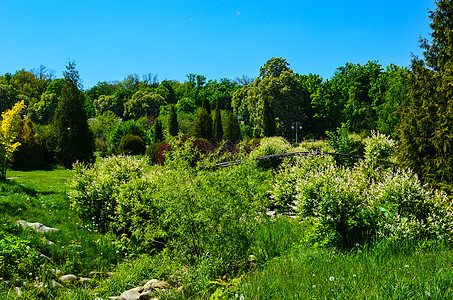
{"x": 375, "y": 273}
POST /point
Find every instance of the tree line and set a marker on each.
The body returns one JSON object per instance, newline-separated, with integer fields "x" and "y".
{"x": 410, "y": 104}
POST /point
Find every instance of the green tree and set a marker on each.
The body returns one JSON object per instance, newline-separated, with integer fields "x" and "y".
{"x": 232, "y": 129}
{"x": 158, "y": 131}
{"x": 217, "y": 123}
{"x": 142, "y": 104}
{"x": 268, "y": 118}
{"x": 426, "y": 128}
{"x": 74, "y": 139}
{"x": 203, "y": 125}
{"x": 9, "y": 134}
{"x": 173, "y": 121}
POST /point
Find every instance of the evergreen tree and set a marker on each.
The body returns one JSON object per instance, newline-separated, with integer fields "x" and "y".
{"x": 426, "y": 128}
{"x": 206, "y": 105}
{"x": 232, "y": 129}
{"x": 74, "y": 140}
{"x": 217, "y": 129}
{"x": 158, "y": 132}
{"x": 203, "y": 125}
{"x": 173, "y": 121}
{"x": 268, "y": 118}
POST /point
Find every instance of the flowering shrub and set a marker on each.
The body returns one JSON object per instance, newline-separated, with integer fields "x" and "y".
{"x": 92, "y": 188}
{"x": 379, "y": 147}
{"x": 269, "y": 146}
{"x": 353, "y": 205}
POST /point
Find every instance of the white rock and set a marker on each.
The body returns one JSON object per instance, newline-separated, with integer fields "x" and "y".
{"x": 68, "y": 277}
{"x": 132, "y": 294}
{"x": 149, "y": 285}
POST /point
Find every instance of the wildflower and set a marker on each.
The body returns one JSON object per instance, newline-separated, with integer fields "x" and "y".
{"x": 313, "y": 286}
{"x": 331, "y": 278}
{"x": 354, "y": 275}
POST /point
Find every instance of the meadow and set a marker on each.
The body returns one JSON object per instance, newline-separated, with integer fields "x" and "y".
{"x": 311, "y": 228}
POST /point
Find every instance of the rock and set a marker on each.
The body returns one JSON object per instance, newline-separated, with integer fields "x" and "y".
{"x": 132, "y": 294}
{"x": 68, "y": 277}
{"x": 83, "y": 279}
{"x": 55, "y": 284}
{"x": 160, "y": 285}
{"x": 149, "y": 285}
{"x": 56, "y": 271}
{"x": 45, "y": 257}
{"x": 146, "y": 295}
{"x": 37, "y": 226}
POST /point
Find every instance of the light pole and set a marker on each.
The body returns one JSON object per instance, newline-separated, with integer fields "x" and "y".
{"x": 296, "y": 125}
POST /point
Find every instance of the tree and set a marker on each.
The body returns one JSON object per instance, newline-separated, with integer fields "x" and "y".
{"x": 203, "y": 125}
{"x": 30, "y": 154}
{"x": 217, "y": 129}
{"x": 158, "y": 132}
{"x": 173, "y": 121}
{"x": 426, "y": 128}
{"x": 74, "y": 139}
{"x": 142, "y": 104}
{"x": 268, "y": 118}
{"x": 232, "y": 129}
{"x": 9, "y": 133}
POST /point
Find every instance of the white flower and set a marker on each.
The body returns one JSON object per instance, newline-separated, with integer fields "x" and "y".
{"x": 331, "y": 278}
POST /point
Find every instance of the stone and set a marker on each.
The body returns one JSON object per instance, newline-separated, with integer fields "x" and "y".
{"x": 55, "y": 284}
{"x": 132, "y": 294}
{"x": 160, "y": 285}
{"x": 149, "y": 285}
{"x": 37, "y": 226}
{"x": 68, "y": 277}
{"x": 146, "y": 295}
{"x": 83, "y": 279}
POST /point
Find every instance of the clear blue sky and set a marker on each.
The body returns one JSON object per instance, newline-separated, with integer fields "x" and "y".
{"x": 217, "y": 39}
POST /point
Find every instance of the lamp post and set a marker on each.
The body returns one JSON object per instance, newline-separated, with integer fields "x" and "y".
{"x": 297, "y": 125}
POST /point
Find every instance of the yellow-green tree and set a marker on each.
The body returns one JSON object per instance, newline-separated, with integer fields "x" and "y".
{"x": 9, "y": 133}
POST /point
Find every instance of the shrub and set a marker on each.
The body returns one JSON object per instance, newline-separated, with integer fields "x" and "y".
{"x": 151, "y": 152}
{"x": 92, "y": 188}
{"x": 379, "y": 147}
{"x": 126, "y": 128}
{"x": 132, "y": 145}
{"x": 270, "y": 146}
{"x": 342, "y": 141}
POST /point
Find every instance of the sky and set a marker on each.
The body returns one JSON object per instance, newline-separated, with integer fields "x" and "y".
{"x": 218, "y": 39}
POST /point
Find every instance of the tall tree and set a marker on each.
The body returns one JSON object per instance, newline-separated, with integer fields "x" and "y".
{"x": 268, "y": 118}
{"x": 173, "y": 121}
{"x": 203, "y": 125}
{"x": 217, "y": 129}
{"x": 232, "y": 128}
{"x": 9, "y": 133}
{"x": 426, "y": 128}
{"x": 74, "y": 139}
{"x": 158, "y": 132}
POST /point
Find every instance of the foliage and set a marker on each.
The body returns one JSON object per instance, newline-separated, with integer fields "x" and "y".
{"x": 30, "y": 154}
{"x": 74, "y": 140}
{"x": 349, "y": 206}
{"x": 203, "y": 125}
{"x": 151, "y": 152}
{"x": 232, "y": 129}
{"x": 217, "y": 128}
{"x": 10, "y": 128}
{"x": 92, "y": 189}
{"x": 345, "y": 143}
{"x": 18, "y": 258}
{"x": 142, "y": 104}
{"x": 425, "y": 131}
{"x": 130, "y": 127}
{"x": 379, "y": 147}
{"x": 132, "y": 145}
{"x": 270, "y": 146}
{"x": 158, "y": 131}
{"x": 172, "y": 121}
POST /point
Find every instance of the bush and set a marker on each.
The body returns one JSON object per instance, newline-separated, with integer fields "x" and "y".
{"x": 270, "y": 146}
{"x": 132, "y": 145}
{"x": 126, "y": 128}
{"x": 349, "y": 206}
{"x": 92, "y": 189}
{"x": 342, "y": 141}
{"x": 379, "y": 147}
{"x": 151, "y": 152}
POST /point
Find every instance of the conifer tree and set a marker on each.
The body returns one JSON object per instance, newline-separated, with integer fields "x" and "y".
{"x": 158, "y": 132}
{"x": 268, "y": 119}
{"x": 217, "y": 129}
{"x": 426, "y": 128}
{"x": 206, "y": 105}
{"x": 203, "y": 125}
{"x": 173, "y": 121}
{"x": 232, "y": 129}
{"x": 74, "y": 140}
